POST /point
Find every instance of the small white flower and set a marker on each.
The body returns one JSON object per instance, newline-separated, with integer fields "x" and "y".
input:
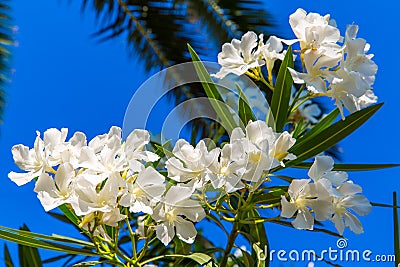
{"x": 168, "y": 213}
{"x": 239, "y": 56}
{"x": 229, "y": 169}
{"x": 190, "y": 163}
{"x": 144, "y": 192}
{"x": 315, "y": 32}
{"x": 322, "y": 168}
{"x": 53, "y": 193}
{"x": 316, "y": 73}
{"x": 88, "y": 198}
{"x": 351, "y": 84}
{"x": 350, "y": 200}
{"x": 33, "y": 161}
{"x": 271, "y": 51}
{"x": 303, "y": 196}
{"x": 134, "y": 148}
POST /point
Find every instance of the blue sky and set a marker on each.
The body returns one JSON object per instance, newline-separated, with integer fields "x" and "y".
{"x": 63, "y": 78}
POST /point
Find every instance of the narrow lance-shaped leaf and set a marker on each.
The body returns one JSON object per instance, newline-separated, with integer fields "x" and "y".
{"x": 320, "y": 126}
{"x": 21, "y": 237}
{"x": 351, "y": 167}
{"x": 331, "y": 135}
{"x": 7, "y": 257}
{"x": 28, "y": 256}
{"x": 222, "y": 110}
{"x": 281, "y": 95}
{"x": 257, "y": 231}
{"x": 245, "y": 112}
{"x": 396, "y": 234}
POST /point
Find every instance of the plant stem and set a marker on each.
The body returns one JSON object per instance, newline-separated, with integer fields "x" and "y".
{"x": 229, "y": 245}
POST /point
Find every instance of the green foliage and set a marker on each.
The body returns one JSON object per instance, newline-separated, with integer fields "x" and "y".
{"x": 6, "y": 41}
{"x": 330, "y": 136}
{"x": 279, "y": 109}
{"x": 227, "y": 121}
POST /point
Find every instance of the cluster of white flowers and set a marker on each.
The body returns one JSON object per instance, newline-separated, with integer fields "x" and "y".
{"x": 337, "y": 67}
{"x": 343, "y": 72}
{"x": 248, "y": 155}
{"x": 250, "y": 52}
{"x": 99, "y": 177}
{"x": 329, "y": 194}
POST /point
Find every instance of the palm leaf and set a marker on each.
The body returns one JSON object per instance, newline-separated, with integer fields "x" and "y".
{"x": 157, "y": 31}
{"x": 6, "y": 40}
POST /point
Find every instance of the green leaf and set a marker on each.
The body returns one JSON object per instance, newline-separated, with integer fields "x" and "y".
{"x": 384, "y": 205}
{"x": 69, "y": 214}
{"x": 247, "y": 259}
{"x": 222, "y": 110}
{"x": 298, "y": 129}
{"x": 281, "y": 95}
{"x": 257, "y": 231}
{"x": 320, "y": 230}
{"x": 7, "y": 257}
{"x": 181, "y": 247}
{"x": 396, "y": 234}
{"x": 201, "y": 258}
{"x": 245, "y": 112}
{"x": 270, "y": 197}
{"x": 320, "y": 126}
{"x": 88, "y": 263}
{"x": 331, "y": 135}
{"x": 42, "y": 241}
{"x": 351, "y": 167}
{"x": 28, "y": 256}
{"x": 261, "y": 257}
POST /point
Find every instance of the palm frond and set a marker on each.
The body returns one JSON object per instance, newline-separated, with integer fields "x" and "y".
{"x": 6, "y": 40}
{"x": 158, "y": 31}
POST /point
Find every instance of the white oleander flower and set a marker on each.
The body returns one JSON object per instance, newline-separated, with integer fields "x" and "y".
{"x": 350, "y": 199}
{"x": 304, "y": 196}
{"x": 190, "y": 163}
{"x": 228, "y": 171}
{"x": 256, "y": 148}
{"x": 134, "y": 148}
{"x": 280, "y": 147}
{"x": 352, "y": 83}
{"x": 264, "y": 149}
{"x": 168, "y": 213}
{"x": 322, "y": 168}
{"x": 142, "y": 193}
{"x": 316, "y": 73}
{"x": 315, "y": 32}
{"x": 89, "y": 198}
{"x": 271, "y": 51}
{"x": 70, "y": 151}
{"x": 55, "y": 192}
{"x": 239, "y": 56}
{"x": 33, "y": 161}
{"x": 54, "y": 143}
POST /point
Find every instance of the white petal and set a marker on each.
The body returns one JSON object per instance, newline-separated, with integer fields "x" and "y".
{"x": 339, "y": 223}
{"x": 185, "y": 230}
{"x": 165, "y": 232}
{"x": 288, "y": 209}
{"x": 353, "y": 223}
{"x": 321, "y": 165}
{"x": 177, "y": 193}
{"x": 149, "y": 176}
{"x": 304, "y": 220}
{"x": 359, "y": 203}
